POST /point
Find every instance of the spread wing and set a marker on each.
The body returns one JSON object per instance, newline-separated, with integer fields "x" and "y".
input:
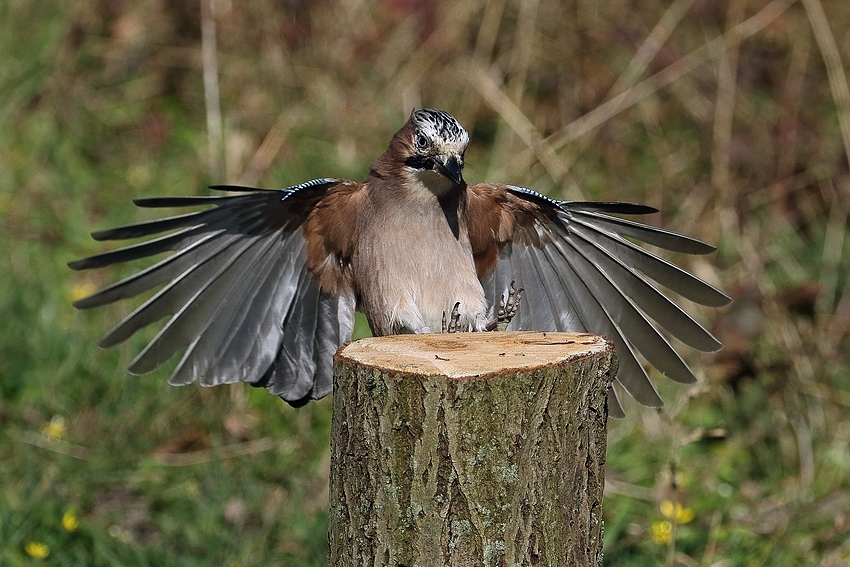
{"x": 581, "y": 271}
{"x": 249, "y": 299}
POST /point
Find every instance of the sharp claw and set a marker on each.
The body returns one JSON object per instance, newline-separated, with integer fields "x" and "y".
{"x": 453, "y": 325}
{"x": 508, "y": 307}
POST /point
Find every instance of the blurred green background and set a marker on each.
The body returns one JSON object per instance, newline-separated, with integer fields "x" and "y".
{"x": 732, "y": 117}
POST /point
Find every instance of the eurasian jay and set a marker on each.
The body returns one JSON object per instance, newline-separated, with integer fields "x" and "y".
{"x": 262, "y": 288}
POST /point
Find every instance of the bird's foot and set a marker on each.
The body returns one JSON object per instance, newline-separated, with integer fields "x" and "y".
{"x": 508, "y": 307}
{"x": 453, "y": 325}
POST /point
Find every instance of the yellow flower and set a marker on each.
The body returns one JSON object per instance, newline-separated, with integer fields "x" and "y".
{"x": 662, "y": 531}
{"x": 55, "y": 428}
{"x": 69, "y": 521}
{"x": 37, "y": 549}
{"x": 677, "y": 512}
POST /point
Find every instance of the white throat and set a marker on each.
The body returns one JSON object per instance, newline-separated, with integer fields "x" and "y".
{"x": 427, "y": 182}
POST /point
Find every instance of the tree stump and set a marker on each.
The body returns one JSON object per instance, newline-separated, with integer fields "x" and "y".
{"x": 484, "y": 449}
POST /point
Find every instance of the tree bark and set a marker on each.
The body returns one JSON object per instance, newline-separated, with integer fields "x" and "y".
{"x": 484, "y": 449}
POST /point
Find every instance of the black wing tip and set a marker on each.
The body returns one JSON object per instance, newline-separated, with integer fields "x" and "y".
{"x": 698, "y": 247}
{"x": 82, "y": 264}
{"x": 150, "y": 202}
{"x": 132, "y": 369}
{"x": 163, "y": 202}
{"x": 614, "y": 207}
{"x": 105, "y": 234}
{"x": 722, "y": 300}
{"x": 96, "y": 261}
{"x": 97, "y": 299}
{"x": 85, "y": 302}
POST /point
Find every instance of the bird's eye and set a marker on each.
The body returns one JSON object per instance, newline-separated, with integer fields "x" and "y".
{"x": 420, "y": 141}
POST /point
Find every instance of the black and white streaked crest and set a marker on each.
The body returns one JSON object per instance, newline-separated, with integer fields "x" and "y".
{"x": 441, "y": 127}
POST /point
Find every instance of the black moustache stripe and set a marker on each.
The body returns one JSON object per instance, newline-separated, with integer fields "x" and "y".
{"x": 419, "y": 162}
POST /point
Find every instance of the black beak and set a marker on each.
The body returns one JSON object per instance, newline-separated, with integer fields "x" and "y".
{"x": 449, "y": 166}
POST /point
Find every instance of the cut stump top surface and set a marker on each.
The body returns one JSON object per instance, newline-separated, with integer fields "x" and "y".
{"x": 469, "y": 355}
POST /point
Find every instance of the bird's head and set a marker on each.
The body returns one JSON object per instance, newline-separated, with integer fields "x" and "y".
{"x": 436, "y": 142}
{"x": 431, "y": 146}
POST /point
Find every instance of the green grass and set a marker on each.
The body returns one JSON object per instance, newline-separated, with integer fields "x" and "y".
{"x": 101, "y": 103}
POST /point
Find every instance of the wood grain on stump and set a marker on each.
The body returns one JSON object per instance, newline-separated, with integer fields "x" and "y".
{"x": 483, "y": 449}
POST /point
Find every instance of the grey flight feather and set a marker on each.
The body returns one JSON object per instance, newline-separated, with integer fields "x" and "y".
{"x": 597, "y": 281}
{"x": 241, "y": 302}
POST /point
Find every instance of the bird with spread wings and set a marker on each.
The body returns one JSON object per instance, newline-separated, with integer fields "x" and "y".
{"x": 262, "y": 287}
